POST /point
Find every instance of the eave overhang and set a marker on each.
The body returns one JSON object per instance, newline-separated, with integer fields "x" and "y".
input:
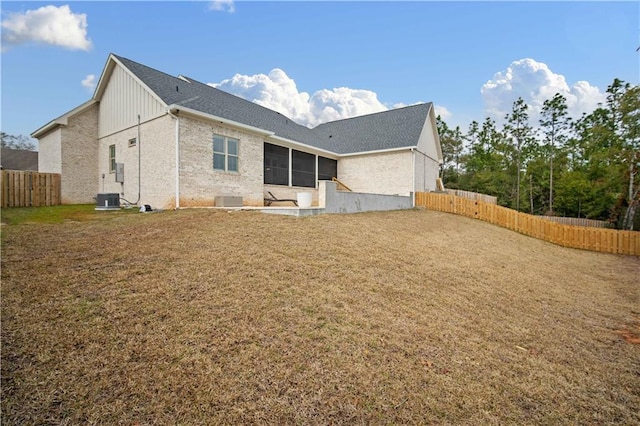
{"x": 63, "y": 120}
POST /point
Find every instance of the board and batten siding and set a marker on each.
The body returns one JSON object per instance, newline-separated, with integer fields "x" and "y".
{"x": 427, "y": 166}
{"x": 123, "y": 100}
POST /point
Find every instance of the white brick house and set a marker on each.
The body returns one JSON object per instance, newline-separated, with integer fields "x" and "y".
{"x": 182, "y": 143}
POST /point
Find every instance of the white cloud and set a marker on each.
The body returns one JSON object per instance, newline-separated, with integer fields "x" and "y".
{"x": 442, "y": 111}
{"x": 223, "y": 6}
{"x": 342, "y": 102}
{"x": 89, "y": 82}
{"x": 535, "y": 83}
{"x": 53, "y": 25}
{"x": 279, "y": 92}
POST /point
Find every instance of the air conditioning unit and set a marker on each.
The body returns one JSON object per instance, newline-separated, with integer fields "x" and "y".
{"x": 109, "y": 201}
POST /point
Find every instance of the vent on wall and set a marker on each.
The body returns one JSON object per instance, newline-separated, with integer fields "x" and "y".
{"x": 228, "y": 201}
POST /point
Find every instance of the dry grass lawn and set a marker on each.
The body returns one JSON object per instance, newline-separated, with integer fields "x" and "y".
{"x": 215, "y": 317}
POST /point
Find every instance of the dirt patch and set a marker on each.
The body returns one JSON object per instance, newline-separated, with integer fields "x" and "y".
{"x": 631, "y": 332}
{"x": 198, "y": 317}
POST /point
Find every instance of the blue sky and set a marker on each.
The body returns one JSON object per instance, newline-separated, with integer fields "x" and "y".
{"x": 331, "y": 59}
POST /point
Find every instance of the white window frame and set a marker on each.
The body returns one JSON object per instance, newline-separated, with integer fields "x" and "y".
{"x": 226, "y": 153}
{"x": 112, "y": 158}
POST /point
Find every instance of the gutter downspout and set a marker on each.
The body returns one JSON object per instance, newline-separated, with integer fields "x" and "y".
{"x": 177, "y": 165}
{"x": 139, "y": 168}
{"x": 413, "y": 177}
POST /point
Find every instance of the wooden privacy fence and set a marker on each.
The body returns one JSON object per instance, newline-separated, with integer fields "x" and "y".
{"x": 578, "y": 221}
{"x": 29, "y": 189}
{"x": 489, "y": 199}
{"x": 595, "y": 239}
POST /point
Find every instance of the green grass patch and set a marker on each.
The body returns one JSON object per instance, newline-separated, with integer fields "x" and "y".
{"x": 57, "y": 214}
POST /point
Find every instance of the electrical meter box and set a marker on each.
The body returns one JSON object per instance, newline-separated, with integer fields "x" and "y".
{"x": 120, "y": 172}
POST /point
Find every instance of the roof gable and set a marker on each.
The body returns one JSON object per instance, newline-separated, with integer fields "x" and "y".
{"x": 183, "y": 91}
{"x": 129, "y": 66}
{"x": 125, "y": 98}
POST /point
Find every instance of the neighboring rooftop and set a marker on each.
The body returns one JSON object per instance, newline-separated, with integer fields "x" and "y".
{"x": 397, "y": 128}
{"x": 19, "y": 159}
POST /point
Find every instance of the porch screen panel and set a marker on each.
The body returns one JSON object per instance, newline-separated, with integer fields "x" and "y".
{"x": 303, "y": 169}
{"x": 276, "y": 164}
{"x": 327, "y": 168}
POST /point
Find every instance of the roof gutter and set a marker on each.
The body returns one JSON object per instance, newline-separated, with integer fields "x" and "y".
{"x": 175, "y": 109}
{"x": 378, "y": 151}
{"x": 302, "y": 145}
{"x": 48, "y": 127}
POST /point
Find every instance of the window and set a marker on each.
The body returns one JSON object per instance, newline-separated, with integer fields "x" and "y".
{"x": 225, "y": 153}
{"x": 276, "y": 164}
{"x": 303, "y": 169}
{"x": 327, "y": 168}
{"x": 112, "y": 158}
{"x": 132, "y": 142}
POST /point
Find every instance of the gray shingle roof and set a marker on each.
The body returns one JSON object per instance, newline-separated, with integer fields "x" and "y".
{"x": 19, "y": 159}
{"x": 396, "y": 128}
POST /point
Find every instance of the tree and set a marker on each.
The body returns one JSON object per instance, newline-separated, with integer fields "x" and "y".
{"x": 630, "y": 150}
{"x": 554, "y": 124}
{"x": 520, "y": 134}
{"x": 621, "y": 119}
{"x": 591, "y": 161}
{"x": 477, "y": 150}
{"x": 575, "y": 195}
{"x": 486, "y": 166}
{"x": 444, "y": 134}
{"x": 456, "y": 149}
{"x": 537, "y": 173}
{"x": 587, "y": 167}
{"x": 451, "y": 142}
{"x": 16, "y": 142}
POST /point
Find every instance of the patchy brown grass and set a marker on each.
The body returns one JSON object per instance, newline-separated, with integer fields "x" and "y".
{"x": 199, "y": 317}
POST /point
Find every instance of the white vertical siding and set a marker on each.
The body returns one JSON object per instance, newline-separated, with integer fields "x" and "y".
{"x": 427, "y": 167}
{"x": 123, "y": 99}
{"x": 427, "y": 141}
